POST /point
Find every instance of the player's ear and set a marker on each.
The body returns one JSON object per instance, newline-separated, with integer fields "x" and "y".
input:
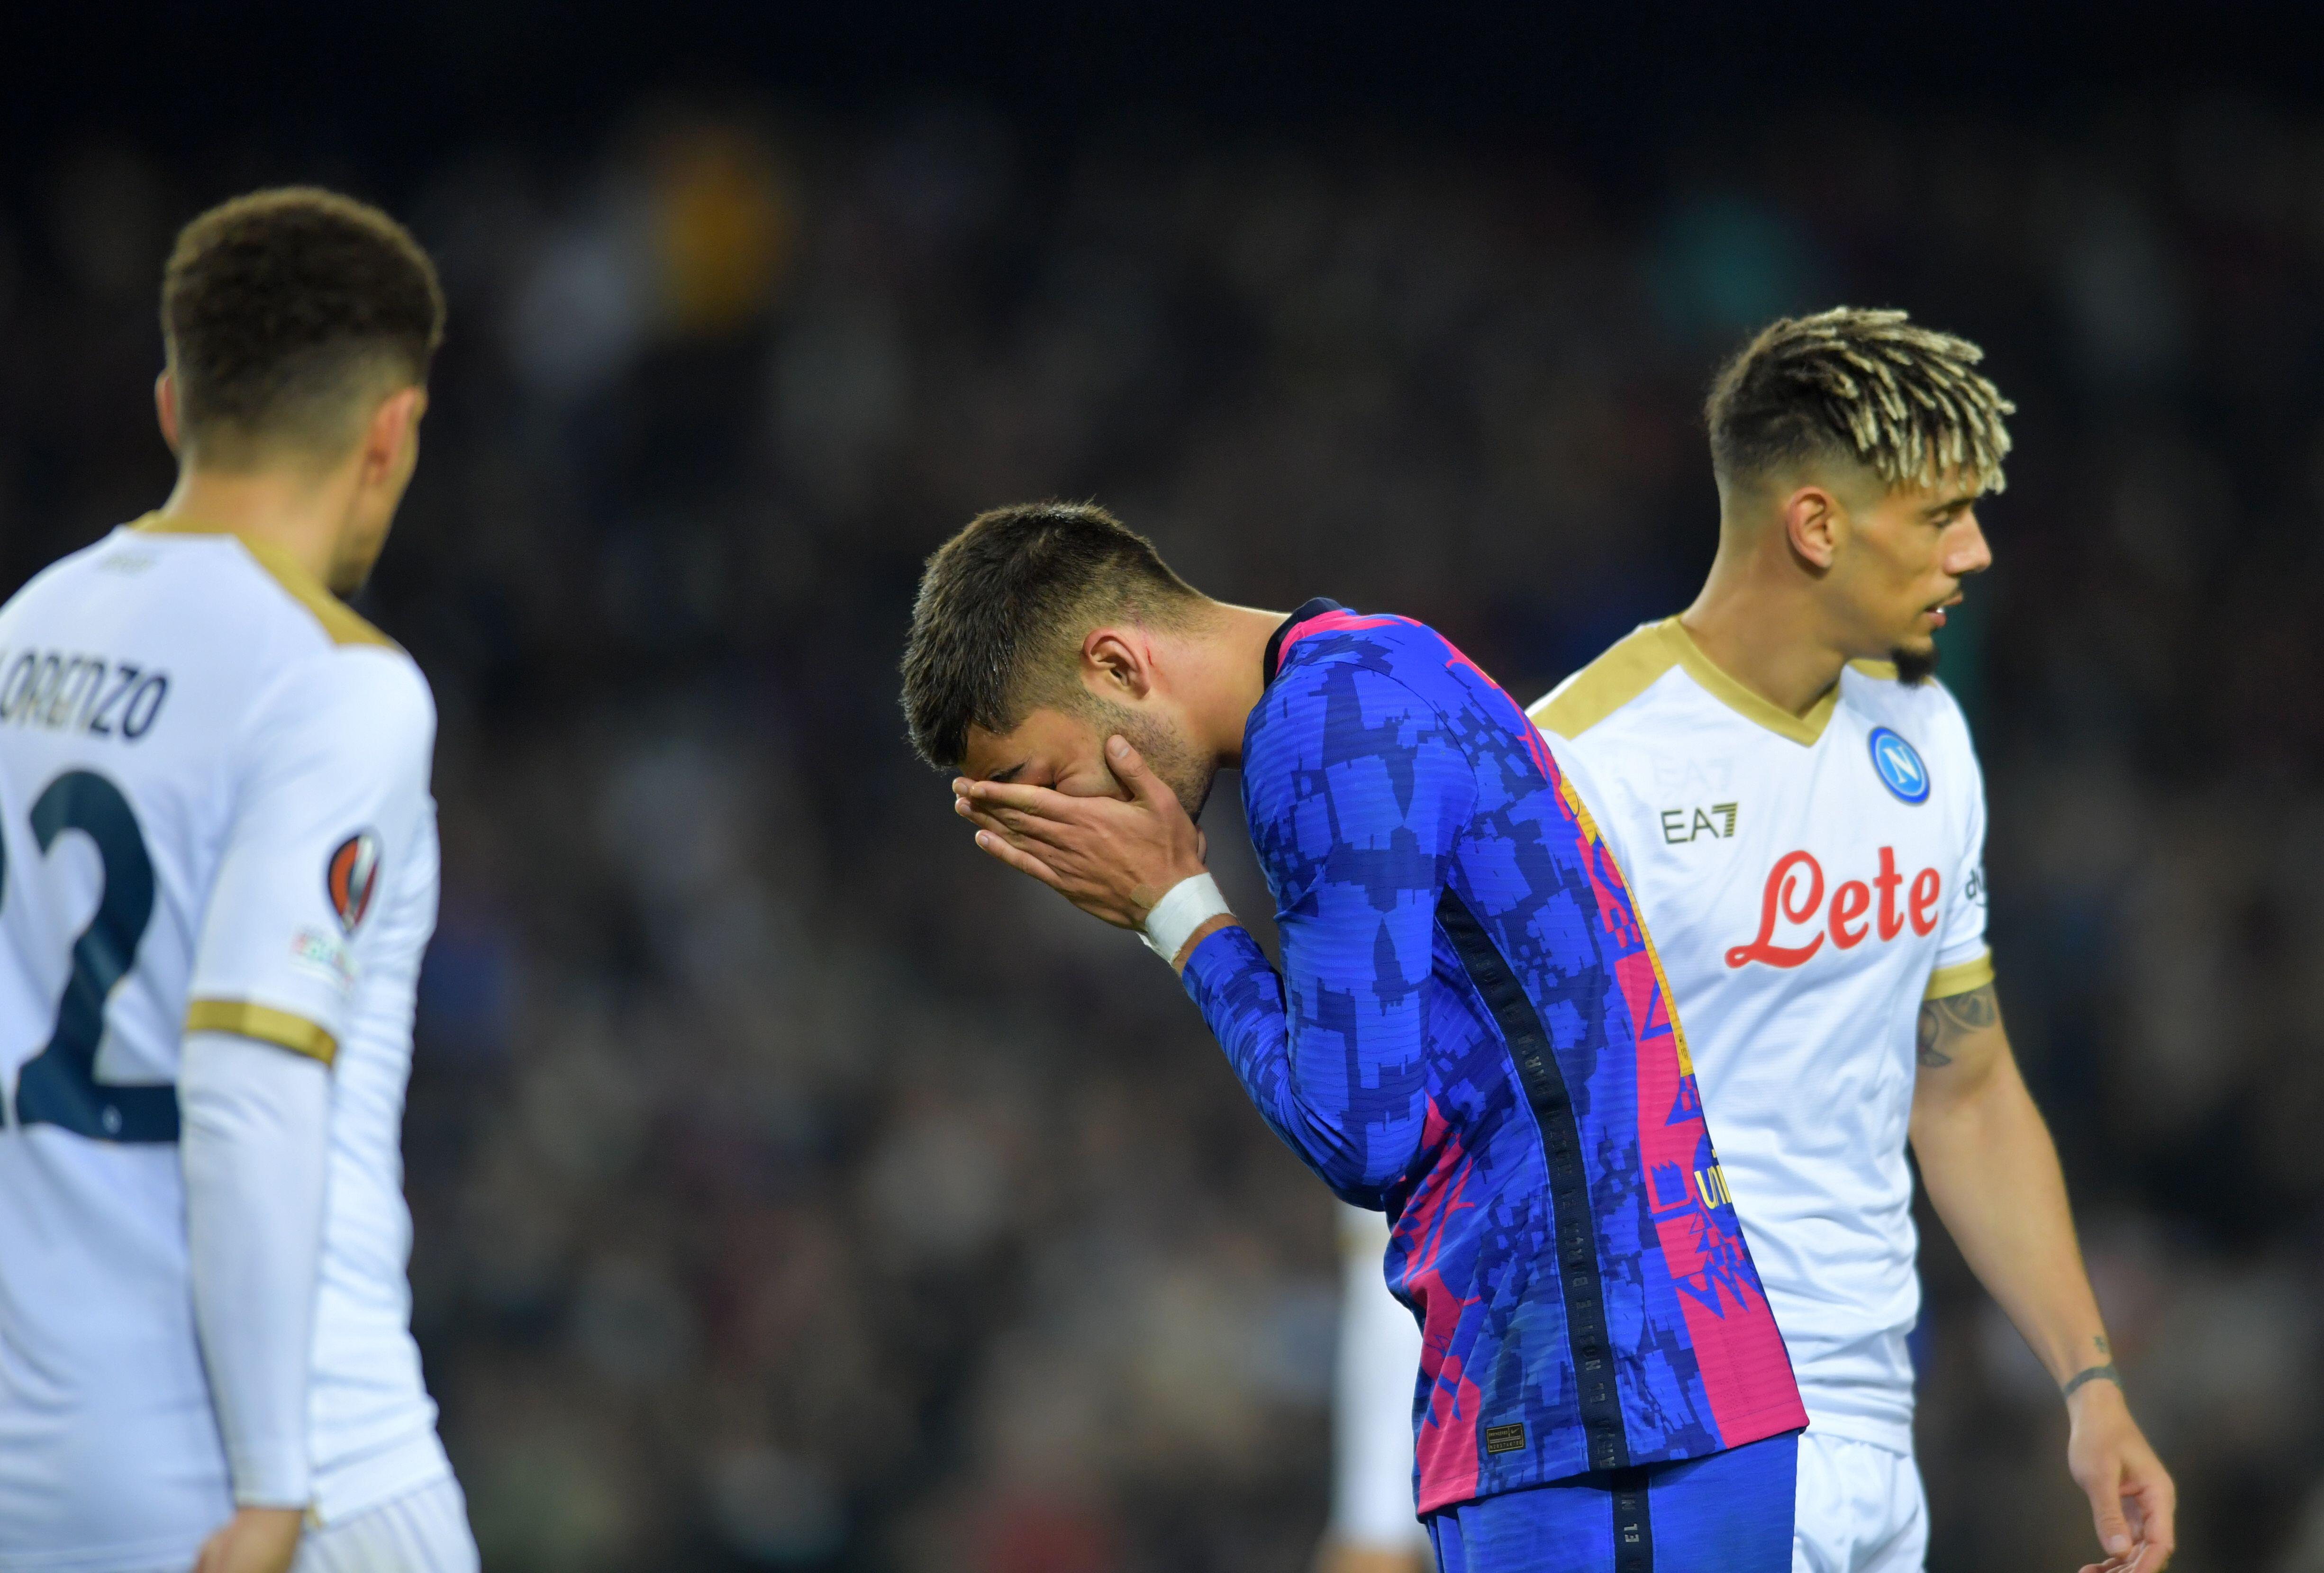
{"x": 1813, "y": 524}
{"x": 1117, "y": 664}
{"x": 390, "y": 430}
{"x": 165, "y": 406}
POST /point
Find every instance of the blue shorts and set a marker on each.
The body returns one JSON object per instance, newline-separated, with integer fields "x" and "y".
{"x": 1730, "y": 1512}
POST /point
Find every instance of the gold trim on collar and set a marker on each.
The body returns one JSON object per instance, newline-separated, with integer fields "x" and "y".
{"x": 1633, "y": 664}
{"x": 342, "y": 624}
{"x": 1803, "y": 730}
{"x": 263, "y": 1023}
{"x": 1628, "y": 668}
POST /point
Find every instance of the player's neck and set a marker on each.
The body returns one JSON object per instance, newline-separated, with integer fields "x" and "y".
{"x": 1760, "y": 627}
{"x": 298, "y": 513}
{"x": 1230, "y": 652}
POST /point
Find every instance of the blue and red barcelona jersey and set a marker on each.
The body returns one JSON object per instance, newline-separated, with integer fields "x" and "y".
{"x": 1472, "y": 1032}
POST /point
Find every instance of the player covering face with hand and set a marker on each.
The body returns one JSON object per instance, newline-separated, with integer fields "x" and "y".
{"x": 1470, "y": 1030}
{"x": 217, "y": 874}
{"x": 1802, "y": 816}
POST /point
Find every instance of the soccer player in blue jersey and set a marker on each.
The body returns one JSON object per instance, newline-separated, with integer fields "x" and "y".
{"x": 1469, "y": 1031}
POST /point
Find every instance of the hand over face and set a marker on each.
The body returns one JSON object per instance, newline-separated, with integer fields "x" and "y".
{"x": 1112, "y": 859}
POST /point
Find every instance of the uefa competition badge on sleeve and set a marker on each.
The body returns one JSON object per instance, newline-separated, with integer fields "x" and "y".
{"x": 1900, "y": 767}
{"x": 351, "y": 877}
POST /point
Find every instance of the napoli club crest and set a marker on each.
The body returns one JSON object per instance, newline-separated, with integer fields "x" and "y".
{"x": 351, "y": 877}
{"x": 1899, "y": 765}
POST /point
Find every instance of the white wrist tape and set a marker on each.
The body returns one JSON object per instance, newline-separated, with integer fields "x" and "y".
{"x": 1185, "y": 908}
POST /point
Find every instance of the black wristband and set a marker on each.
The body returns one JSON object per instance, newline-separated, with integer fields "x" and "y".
{"x": 2106, "y": 1373}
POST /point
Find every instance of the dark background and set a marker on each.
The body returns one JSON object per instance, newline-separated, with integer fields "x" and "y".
{"x": 793, "y": 1189}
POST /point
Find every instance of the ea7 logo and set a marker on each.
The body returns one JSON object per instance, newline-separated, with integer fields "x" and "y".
{"x": 1793, "y": 901}
{"x": 1717, "y": 824}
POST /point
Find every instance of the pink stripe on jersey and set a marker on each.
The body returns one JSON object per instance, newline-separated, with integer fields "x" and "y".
{"x": 1345, "y": 620}
{"x": 1747, "y": 1373}
{"x": 1446, "y": 1446}
{"x": 1328, "y": 623}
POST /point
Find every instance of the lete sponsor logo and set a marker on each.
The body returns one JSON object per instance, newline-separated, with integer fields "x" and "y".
{"x": 1795, "y": 920}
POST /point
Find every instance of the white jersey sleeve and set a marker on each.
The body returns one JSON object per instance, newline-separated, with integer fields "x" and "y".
{"x": 253, "y": 1145}
{"x": 1964, "y": 960}
{"x": 333, "y": 792}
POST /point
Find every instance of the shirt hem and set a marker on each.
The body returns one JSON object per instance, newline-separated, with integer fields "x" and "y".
{"x": 1895, "y": 1436}
{"x": 1549, "y": 1472}
{"x": 356, "y": 1487}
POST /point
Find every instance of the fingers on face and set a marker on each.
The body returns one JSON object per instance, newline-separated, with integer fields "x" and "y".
{"x": 1016, "y": 858}
{"x": 1130, "y": 769}
{"x": 1020, "y": 830}
{"x": 992, "y": 825}
{"x": 1010, "y": 794}
{"x": 1027, "y": 810}
{"x": 978, "y": 813}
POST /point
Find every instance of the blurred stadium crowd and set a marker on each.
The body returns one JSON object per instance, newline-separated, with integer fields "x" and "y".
{"x": 794, "y": 1189}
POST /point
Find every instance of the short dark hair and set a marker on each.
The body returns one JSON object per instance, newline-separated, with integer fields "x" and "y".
{"x": 1004, "y": 607}
{"x": 1905, "y": 401}
{"x": 282, "y": 309}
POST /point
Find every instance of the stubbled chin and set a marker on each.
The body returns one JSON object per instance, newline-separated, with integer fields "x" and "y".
{"x": 1915, "y": 663}
{"x": 1193, "y": 795}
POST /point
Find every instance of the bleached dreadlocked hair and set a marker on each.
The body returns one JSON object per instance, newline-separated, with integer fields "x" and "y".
{"x": 1906, "y": 402}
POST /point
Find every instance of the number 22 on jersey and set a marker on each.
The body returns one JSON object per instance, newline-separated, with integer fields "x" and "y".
{"x": 59, "y": 1085}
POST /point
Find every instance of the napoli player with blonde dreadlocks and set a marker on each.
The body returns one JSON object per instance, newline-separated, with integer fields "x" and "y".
{"x": 1799, "y": 809}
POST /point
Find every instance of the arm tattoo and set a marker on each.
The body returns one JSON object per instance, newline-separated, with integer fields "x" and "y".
{"x": 2079, "y": 1379}
{"x": 1945, "y": 1022}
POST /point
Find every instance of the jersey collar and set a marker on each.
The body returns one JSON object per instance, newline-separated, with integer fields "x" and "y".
{"x": 1308, "y": 611}
{"x": 1802, "y": 730}
{"x": 341, "y": 622}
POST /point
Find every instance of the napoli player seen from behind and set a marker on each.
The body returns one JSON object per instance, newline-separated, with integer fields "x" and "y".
{"x": 1801, "y": 813}
{"x": 1469, "y": 1031}
{"x": 220, "y": 872}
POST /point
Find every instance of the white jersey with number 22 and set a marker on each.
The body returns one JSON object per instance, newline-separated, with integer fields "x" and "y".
{"x": 213, "y": 818}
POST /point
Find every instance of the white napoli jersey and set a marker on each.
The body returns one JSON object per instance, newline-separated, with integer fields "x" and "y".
{"x": 215, "y": 816}
{"x": 1377, "y": 1363}
{"x": 1809, "y": 881}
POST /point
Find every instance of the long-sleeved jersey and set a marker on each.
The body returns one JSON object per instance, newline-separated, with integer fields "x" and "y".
{"x": 214, "y": 819}
{"x": 1471, "y": 1032}
{"x": 1813, "y": 879}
